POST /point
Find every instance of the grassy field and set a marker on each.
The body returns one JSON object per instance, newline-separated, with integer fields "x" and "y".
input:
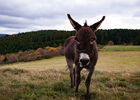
{"x": 116, "y": 77}
{"x": 121, "y": 48}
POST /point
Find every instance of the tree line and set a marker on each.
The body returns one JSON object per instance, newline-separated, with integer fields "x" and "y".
{"x": 53, "y": 38}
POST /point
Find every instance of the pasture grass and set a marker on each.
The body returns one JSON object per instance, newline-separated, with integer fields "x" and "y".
{"x": 121, "y": 48}
{"x": 108, "y": 61}
{"x": 116, "y": 77}
{"x": 51, "y": 84}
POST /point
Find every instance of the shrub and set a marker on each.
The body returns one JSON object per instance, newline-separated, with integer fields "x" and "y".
{"x": 124, "y": 43}
{"x": 40, "y": 53}
{"x": 13, "y": 57}
{"x": 100, "y": 47}
{"x": 38, "y": 50}
{"x": 20, "y": 53}
{"x": 2, "y": 58}
{"x": 110, "y": 43}
{"x": 50, "y": 48}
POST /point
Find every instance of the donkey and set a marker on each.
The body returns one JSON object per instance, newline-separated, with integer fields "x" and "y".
{"x": 81, "y": 50}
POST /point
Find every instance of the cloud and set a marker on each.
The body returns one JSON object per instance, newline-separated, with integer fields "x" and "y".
{"x": 27, "y": 15}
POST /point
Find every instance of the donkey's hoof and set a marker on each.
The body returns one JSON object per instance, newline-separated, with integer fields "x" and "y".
{"x": 76, "y": 93}
{"x": 72, "y": 86}
{"x": 87, "y": 97}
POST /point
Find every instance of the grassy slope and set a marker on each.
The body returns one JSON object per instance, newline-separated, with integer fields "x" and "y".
{"x": 121, "y": 48}
{"x": 108, "y": 61}
{"x": 117, "y": 77}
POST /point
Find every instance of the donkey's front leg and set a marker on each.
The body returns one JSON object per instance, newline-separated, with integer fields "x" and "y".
{"x": 72, "y": 76}
{"x": 78, "y": 78}
{"x": 87, "y": 82}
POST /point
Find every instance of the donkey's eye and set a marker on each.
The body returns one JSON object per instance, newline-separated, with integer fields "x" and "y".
{"x": 78, "y": 43}
{"x": 92, "y": 39}
{"x": 77, "y": 40}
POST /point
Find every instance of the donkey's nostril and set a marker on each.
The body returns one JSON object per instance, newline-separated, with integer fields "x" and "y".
{"x": 84, "y": 61}
{"x": 81, "y": 60}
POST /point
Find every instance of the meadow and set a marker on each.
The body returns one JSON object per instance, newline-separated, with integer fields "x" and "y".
{"x": 121, "y": 48}
{"x": 116, "y": 77}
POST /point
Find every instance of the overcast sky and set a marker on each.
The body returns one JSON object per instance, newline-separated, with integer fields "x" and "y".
{"x": 30, "y": 15}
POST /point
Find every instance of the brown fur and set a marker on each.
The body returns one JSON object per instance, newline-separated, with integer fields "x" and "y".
{"x": 84, "y": 41}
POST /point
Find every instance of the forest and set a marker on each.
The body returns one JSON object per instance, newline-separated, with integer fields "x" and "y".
{"x": 54, "y": 38}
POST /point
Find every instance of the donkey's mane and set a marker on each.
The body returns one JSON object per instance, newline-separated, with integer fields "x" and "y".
{"x": 85, "y": 24}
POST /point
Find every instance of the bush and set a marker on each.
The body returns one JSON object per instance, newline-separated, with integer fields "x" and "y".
{"x": 13, "y": 57}
{"x": 110, "y": 43}
{"x": 40, "y": 53}
{"x": 100, "y": 47}
{"x": 50, "y": 48}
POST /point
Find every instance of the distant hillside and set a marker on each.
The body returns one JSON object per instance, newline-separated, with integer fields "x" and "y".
{"x": 54, "y": 38}
{"x": 2, "y": 35}
{"x": 33, "y": 40}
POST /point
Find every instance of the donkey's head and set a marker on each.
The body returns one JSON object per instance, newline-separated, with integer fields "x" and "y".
{"x": 85, "y": 39}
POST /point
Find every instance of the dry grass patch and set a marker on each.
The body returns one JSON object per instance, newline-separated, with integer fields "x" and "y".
{"x": 108, "y": 61}
{"x": 53, "y": 84}
{"x": 116, "y": 77}
{"x": 119, "y": 61}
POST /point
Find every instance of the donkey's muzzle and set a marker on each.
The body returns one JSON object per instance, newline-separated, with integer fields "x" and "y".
{"x": 84, "y": 61}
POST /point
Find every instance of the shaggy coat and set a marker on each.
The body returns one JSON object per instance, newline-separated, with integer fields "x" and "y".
{"x": 81, "y": 51}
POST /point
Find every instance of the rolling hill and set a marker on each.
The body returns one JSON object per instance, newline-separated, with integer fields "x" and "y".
{"x": 2, "y": 35}
{"x": 42, "y": 38}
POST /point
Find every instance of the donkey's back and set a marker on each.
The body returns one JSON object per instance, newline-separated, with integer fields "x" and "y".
{"x": 69, "y": 49}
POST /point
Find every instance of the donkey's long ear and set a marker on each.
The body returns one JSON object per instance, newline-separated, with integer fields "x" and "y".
{"x": 75, "y": 25}
{"x": 97, "y": 24}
